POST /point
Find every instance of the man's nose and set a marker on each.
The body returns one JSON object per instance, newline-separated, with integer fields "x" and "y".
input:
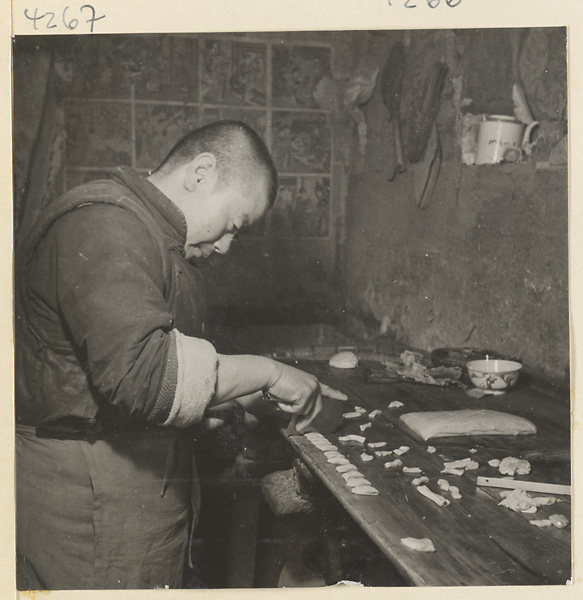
{"x": 222, "y": 246}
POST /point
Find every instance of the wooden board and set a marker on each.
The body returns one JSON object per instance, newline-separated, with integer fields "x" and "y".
{"x": 478, "y": 542}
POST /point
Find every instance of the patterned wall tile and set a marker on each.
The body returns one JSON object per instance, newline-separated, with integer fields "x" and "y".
{"x": 233, "y": 72}
{"x": 301, "y": 142}
{"x": 75, "y": 177}
{"x": 158, "y": 128}
{"x": 297, "y": 71}
{"x": 302, "y": 207}
{"x": 167, "y": 68}
{"x": 96, "y": 66}
{"x": 254, "y": 118}
{"x": 98, "y": 134}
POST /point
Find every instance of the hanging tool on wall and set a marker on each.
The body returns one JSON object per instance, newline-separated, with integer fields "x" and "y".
{"x": 423, "y": 111}
{"x": 358, "y": 91}
{"x": 426, "y": 171}
{"x": 390, "y": 84}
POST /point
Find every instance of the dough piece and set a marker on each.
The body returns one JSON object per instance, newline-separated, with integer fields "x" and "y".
{"x": 358, "y": 482}
{"x": 338, "y": 460}
{"x": 314, "y": 435}
{"x": 431, "y": 449}
{"x": 360, "y": 409}
{"x": 439, "y": 500}
{"x": 443, "y": 484}
{"x": 346, "y": 468}
{"x": 412, "y": 470}
{"x": 343, "y": 360}
{"x": 365, "y": 490}
{"x": 359, "y": 439}
{"x": 494, "y": 463}
{"x": 393, "y": 463}
{"x": 396, "y": 404}
{"x": 420, "y": 545}
{"x": 455, "y": 492}
{"x": 377, "y": 444}
{"x": 437, "y": 424}
{"x": 458, "y": 472}
{"x": 374, "y": 413}
{"x": 420, "y": 480}
{"x": 473, "y": 451}
{"x": 401, "y": 450}
{"x": 365, "y": 426}
{"x": 355, "y": 474}
{"x": 514, "y": 466}
{"x": 352, "y": 415}
{"x": 541, "y": 522}
{"x": 383, "y": 453}
{"x": 327, "y": 447}
{"x": 332, "y": 453}
{"x": 559, "y": 521}
{"x": 467, "y": 463}
{"x": 366, "y": 457}
{"x": 520, "y": 501}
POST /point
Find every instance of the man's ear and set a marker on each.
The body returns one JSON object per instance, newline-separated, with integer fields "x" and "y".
{"x": 201, "y": 170}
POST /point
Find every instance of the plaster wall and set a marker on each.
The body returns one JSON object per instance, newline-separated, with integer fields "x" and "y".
{"x": 486, "y": 264}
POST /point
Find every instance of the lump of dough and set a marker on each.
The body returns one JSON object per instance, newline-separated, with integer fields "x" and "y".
{"x": 358, "y": 439}
{"x": 360, "y": 482}
{"x": 365, "y": 490}
{"x": 343, "y": 360}
{"x": 346, "y": 467}
{"x": 420, "y": 545}
{"x": 559, "y": 521}
{"x": 514, "y": 466}
{"x": 437, "y": 424}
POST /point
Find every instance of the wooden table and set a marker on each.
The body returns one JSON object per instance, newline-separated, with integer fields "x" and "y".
{"x": 477, "y": 541}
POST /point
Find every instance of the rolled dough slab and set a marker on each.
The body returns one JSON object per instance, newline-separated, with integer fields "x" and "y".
{"x": 428, "y": 425}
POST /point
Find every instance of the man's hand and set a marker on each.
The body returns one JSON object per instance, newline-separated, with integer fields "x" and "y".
{"x": 296, "y": 391}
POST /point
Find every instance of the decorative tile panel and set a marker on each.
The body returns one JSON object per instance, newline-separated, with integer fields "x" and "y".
{"x": 301, "y": 142}
{"x": 233, "y": 72}
{"x": 302, "y": 207}
{"x": 98, "y": 134}
{"x": 167, "y": 68}
{"x": 96, "y": 66}
{"x": 297, "y": 70}
{"x": 158, "y": 128}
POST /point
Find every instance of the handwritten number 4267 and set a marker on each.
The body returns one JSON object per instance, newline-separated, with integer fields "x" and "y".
{"x": 68, "y": 23}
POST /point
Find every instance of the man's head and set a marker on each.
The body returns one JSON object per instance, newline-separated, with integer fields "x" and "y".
{"x": 223, "y": 178}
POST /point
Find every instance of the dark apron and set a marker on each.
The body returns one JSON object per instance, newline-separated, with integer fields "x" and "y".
{"x": 115, "y": 513}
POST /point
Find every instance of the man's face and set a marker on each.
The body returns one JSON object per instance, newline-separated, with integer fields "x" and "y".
{"x": 214, "y": 218}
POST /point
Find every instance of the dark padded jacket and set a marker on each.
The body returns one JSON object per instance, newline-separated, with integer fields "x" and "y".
{"x": 101, "y": 283}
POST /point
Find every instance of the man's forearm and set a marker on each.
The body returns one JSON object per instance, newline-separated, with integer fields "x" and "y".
{"x": 242, "y": 374}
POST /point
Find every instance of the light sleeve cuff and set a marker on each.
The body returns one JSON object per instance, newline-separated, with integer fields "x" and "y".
{"x": 196, "y": 380}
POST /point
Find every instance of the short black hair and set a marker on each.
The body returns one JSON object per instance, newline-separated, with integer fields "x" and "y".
{"x": 238, "y": 148}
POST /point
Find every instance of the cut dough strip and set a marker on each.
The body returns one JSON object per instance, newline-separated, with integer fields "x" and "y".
{"x": 346, "y": 468}
{"x": 420, "y": 545}
{"x": 365, "y": 490}
{"x": 439, "y": 500}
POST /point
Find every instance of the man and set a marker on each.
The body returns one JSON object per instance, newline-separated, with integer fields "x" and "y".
{"x": 112, "y": 367}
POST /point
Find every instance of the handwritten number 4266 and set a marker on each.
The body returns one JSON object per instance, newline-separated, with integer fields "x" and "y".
{"x": 68, "y": 23}
{"x": 430, "y": 3}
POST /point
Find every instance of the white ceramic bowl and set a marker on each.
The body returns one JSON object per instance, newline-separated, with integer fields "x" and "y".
{"x": 493, "y": 374}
